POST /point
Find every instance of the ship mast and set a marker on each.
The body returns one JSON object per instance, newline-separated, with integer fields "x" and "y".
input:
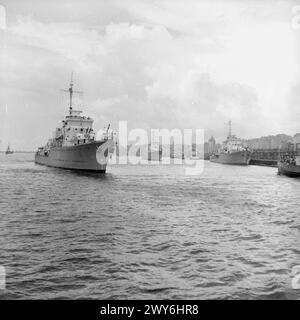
{"x": 229, "y": 132}
{"x": 71, "y": 93}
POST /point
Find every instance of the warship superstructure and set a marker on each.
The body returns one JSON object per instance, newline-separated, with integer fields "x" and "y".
{"x": 232, "y": 151}
{"x": 74, "y": 144}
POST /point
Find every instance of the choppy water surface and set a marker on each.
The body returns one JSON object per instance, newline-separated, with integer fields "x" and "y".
{"x": 147, "y": 232}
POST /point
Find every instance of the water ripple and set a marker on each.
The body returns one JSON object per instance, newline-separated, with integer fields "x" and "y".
{"x": 147, "y": 232}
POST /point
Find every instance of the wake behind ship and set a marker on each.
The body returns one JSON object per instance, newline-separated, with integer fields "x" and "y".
{"x": 232, "y": 151}
{"x": 74, "y": 145}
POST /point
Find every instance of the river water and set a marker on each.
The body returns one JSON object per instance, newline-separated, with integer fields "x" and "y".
{"x": 147, "y": 232}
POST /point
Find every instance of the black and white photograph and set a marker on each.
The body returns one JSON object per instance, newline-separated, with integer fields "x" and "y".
{"x": 149, "y": 150}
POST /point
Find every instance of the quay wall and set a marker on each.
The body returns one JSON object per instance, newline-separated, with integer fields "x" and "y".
{"x": 267, "y": 157}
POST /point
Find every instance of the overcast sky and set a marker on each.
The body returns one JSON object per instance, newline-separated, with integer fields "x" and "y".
{"x": 157, "y": 64}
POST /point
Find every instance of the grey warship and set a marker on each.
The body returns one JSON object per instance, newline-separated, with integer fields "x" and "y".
{"x": 8, "y": 150}
{"x": 232, "y": 151}
{"x": 74, "y": 145}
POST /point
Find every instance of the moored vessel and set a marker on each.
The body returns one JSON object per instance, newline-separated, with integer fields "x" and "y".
{"x": 289, "y": 163}
{"x": 8, "y": 150}
{"x": 74, "y": 145}
{"x": 232, "y": 151}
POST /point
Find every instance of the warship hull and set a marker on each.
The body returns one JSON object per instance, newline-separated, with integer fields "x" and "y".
{"x": 91, "y": 156}
{"x": 289, "y": 170}
{"x": 234, "y": 158}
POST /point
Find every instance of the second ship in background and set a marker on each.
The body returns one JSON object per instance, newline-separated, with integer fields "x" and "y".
{"x": 232, "y": 151}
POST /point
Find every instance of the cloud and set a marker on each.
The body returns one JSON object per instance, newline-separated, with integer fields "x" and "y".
{"x": 156, "y": 64}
